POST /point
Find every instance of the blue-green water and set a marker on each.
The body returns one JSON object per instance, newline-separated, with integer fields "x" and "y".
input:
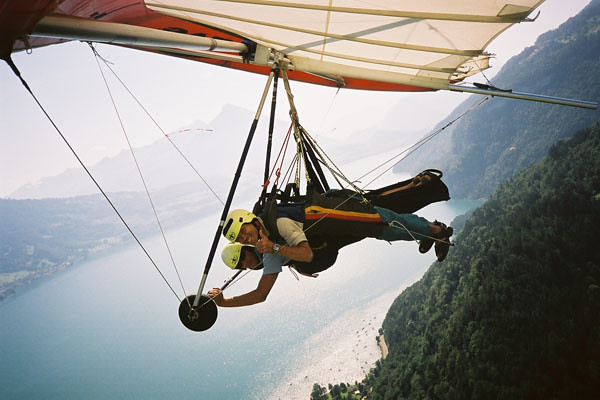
{"x": 109, "y": 328}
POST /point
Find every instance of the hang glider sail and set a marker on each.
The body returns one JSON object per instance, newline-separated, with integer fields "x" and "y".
{"x": 391, "y": 45}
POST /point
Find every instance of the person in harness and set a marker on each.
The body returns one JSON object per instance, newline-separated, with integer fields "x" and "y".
{"x": 308, "y": 236}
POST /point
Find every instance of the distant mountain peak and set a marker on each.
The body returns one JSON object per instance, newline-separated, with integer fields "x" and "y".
{"x": 162, "y": 165}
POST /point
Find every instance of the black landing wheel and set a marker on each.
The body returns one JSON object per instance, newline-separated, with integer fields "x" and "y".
{"x": 198, "y": 318}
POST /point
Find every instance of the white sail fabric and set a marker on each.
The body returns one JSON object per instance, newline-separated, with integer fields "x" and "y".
{"x": 429, "y": 42}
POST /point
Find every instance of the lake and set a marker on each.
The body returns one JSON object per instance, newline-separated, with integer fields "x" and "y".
{"x": 109, "y": 328}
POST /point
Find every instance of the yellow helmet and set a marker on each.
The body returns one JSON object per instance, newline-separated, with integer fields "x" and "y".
{"x": 232, "y": 254}
{"x": 234, "y": 221}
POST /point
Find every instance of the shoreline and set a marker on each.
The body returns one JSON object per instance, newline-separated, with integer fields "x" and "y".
{"x": 328, "y": 357}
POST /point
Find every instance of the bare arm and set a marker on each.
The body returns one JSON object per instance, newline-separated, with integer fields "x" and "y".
{"x": 301, "y": 252}
{"x": 258, "y": 295}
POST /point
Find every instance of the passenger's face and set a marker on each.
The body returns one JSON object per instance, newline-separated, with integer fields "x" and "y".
{"x": 248, "y": 234}
{"x": 249, "y": 259}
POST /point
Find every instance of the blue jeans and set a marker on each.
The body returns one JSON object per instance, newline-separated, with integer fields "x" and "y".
{"x": 396, "y": 224}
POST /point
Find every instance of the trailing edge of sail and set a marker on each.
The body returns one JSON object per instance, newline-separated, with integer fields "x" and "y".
{"x": 430, "y": 43}
{"x": 401, "y": 45}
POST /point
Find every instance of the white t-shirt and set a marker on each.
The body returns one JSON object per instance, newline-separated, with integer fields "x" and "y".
{"x": 291, "y": 231}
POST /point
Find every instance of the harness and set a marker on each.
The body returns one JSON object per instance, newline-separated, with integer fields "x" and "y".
{"x": 331, "y": 219}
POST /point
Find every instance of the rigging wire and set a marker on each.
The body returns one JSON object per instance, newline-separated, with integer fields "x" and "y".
{"x": 328, "y": 111}
{"x": 18, "y": 74}
{"x": 337, "y": 172}
{"x": 233, "y": 282}
{"x": 282, "y": 150}
{"x": 408, "y": 151}
{"x": 138, "y": 169}
{"x": 299, "y": 131}
{"x": 158, "y": 126}
{"x": 300, "y": 155}
{"x": 288, "y": 174}
{"x": 418, "y": 144}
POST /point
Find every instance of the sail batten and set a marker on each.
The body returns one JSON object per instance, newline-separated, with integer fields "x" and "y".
{"x": 444, "y": 40}
{"x": 400, "y": 45}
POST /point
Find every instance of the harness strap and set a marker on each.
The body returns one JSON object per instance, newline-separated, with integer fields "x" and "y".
{"x": 313, "y": 167}
{"x": 271, "y": 127}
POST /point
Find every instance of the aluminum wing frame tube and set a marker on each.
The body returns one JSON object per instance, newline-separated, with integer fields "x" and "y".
{"x": 526, "y": 96}
{"x": 270, "y": 137}
{"x": 64, "y": 27}
{"x": 332, "y": 69}
{"x": 234, "y": 184}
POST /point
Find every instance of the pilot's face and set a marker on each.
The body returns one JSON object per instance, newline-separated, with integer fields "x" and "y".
{"x": 249, "y": 259}
{"x": 248, "y": 234}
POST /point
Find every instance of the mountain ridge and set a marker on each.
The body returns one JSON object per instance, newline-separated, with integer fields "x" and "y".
{"x": 503, "y": 136}
{"x": 161, "y": 163}
{"x": 514, "y": 311}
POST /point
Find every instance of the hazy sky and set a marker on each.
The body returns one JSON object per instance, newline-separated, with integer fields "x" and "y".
{"x": 68, "y": 83}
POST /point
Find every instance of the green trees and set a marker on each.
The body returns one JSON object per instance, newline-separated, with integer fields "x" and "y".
{"x": 318, "y": 392}
{"x": 336, "y": 392}
{"x": 514, "y": 312}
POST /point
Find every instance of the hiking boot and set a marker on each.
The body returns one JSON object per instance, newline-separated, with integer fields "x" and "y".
{"x": 426, "y": 243}
{"x": 443, "y": 244}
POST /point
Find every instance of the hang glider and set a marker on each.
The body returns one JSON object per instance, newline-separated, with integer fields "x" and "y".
{"x": 386, "y": 45}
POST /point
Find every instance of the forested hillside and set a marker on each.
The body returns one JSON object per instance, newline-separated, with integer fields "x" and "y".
{"x": 514, "y": 312}
{"x": 503, "y": 136}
